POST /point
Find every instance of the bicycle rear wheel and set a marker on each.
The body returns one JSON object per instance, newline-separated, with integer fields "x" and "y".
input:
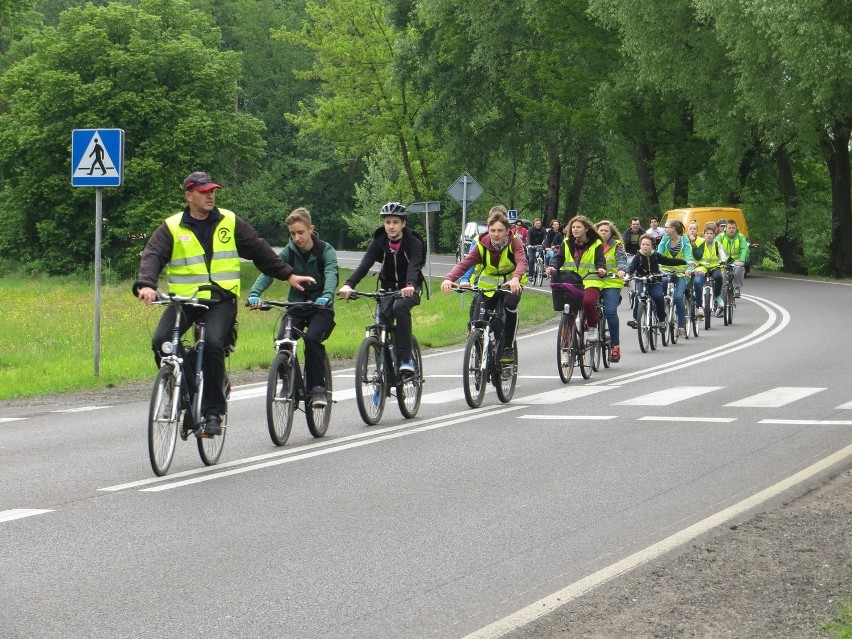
{"x": 693, "y": 317}
{"x": 584, "y": 350}
{"x": 281, "y": 397}
{"x": 409, "y": 390}
{"x": 666, "y": 323}
{"x": 370, "y": 391}
{"x": 210, "y": 448}
{"x": 474, "y": 375}
{"x": 642, "y": 329}
{"x": 318, "y": 418}
{"x": 604, "y": 344}
{"x": 565, "y": 356}
{"x": 163, "y": 416}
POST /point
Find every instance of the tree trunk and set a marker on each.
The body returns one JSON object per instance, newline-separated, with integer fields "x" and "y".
{"x": 790, "y": 243}
{"x": 643, "y": 158}
{"x": 572, "y": 202}
{"x": 554, "y": 175}
{"x": 836, "y": 147}
{"x": 680, "y": 196}
{"x": 406, "y": 163}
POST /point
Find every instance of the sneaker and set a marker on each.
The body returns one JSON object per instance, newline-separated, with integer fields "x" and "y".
{"x": 566, "y": 359}
{"x": 508, "y": 356}
{"x": 720, "y": 302}
{"x": 319, "y": 397}
{"x": 681, "y": 332}
{"x": 615, "y": 354}
{"x": 632, "y": 323}
{"x": 377, "y": 396}
{"x": 592, "y": 334}
{"x": 700, "y": 313}
{"x": 213, "y": 425}
{"x": 736, "y": 291}
{"x": 719, "y": 311}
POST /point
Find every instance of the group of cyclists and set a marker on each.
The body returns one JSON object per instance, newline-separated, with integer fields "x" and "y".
{"x": 203, "y": 245}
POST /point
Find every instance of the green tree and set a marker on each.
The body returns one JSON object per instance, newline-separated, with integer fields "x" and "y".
{"x": 155, "y": 71}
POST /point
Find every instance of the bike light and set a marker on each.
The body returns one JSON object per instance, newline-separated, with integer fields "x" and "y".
{"x": 166, "y": 348}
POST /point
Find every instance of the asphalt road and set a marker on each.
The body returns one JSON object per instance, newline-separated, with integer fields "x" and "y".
{"x": 457, "y": 523}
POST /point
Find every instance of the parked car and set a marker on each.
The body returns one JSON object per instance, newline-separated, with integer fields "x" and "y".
{"x": 472, "y": 230}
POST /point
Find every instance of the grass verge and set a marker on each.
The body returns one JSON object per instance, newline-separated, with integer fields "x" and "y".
{"x": 47, "y": 332}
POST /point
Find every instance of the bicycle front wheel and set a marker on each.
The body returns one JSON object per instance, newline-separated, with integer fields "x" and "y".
{"x": 585, "y": 351}
{"x": 474, "y": 377}
{"x": 318, "y": 418}
{"x": 605, "y": 342}
{"x": 539, "y": 272}
{"x": 410, "y": 389}
{"x": 708, "y": 308}
{"x": 210, "y": 448}
{"x": 666, "y": 323}
{"x": 693, "y": 318}
{"x": 163, "y": 416}
{"x": 642, "y": 328}
{"x": 281, "y": 397}
{"x": 729, "y": 307}
{"x": 565, "y": 348}
{"x": 370, "y": 391}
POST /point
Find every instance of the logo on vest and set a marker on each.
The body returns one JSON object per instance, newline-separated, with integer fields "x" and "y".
{"x": 224, "y": 235}
{"x": 183, "y": 238}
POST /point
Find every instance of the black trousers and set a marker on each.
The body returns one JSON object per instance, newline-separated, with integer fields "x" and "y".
{"x": 316, "y": 324}
{"x": 399, "y": 309}
{"x": 219, "y": 320}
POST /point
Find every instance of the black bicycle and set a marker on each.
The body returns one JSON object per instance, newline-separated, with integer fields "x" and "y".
{"x": 728, "y": 291}
{"x": 483, "y": 350}
{"x": 285, "y": 386}
{"x": 175, "y": 407}
{"x": 377, "y": 373}
{"x": 536, "y": 277}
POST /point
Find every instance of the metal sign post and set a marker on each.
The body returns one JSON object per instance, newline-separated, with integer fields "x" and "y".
{"x": 97, "y": 159}
{"x": 464, "y": 191}
{"x": 426, "y": 207}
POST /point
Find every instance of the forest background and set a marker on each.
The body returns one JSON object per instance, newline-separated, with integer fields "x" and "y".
{"x": 605, "y": 108}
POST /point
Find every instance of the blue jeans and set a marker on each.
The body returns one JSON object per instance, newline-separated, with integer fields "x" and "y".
{"x": 611, "y": 299}
{"x": 700, "y": 277}
{"x": 656, "y": 295}
{"x": 679, "y": 290}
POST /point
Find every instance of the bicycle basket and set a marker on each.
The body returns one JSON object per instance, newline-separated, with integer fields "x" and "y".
{"x": 564, "y": 293}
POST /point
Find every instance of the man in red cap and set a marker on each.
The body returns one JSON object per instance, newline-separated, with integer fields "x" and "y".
{"x": 202, "y": 245}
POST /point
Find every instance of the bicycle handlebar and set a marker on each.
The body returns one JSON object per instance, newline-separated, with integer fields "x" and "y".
{"x": 267, "y": 305}
{"x": 354, "y": 295}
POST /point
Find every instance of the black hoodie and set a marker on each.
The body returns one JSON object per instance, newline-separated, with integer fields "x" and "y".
{"x": 399, "y": 269}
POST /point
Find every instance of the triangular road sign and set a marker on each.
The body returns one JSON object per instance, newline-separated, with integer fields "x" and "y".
{"x": 95, "y": 160}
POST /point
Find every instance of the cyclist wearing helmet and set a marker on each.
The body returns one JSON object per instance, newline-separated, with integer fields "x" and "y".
{"x": 400, "y": 252}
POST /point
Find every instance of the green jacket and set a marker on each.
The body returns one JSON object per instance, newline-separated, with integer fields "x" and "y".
{"x": 319, "y": 256}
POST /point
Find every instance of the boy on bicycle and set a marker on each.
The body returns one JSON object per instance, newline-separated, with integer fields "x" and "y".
{"x": 647, "y": 262}
{"x": 706, "y": 256}
{"x": 503, "y": 261}
{"x": 308, "y": 255}
{"x": 400, "y": 252}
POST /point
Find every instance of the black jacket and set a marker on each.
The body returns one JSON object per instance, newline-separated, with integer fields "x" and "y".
{"x": 643, "y": 266}
{"x": 398, "y": 269}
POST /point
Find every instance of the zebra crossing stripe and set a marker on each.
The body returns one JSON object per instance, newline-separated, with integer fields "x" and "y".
{"x": 669, "y": 396}
{"x": 776, "y": 397}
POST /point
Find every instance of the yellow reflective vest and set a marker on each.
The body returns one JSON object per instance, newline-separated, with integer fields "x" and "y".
{"x": 710, "y": 258}
{"x": 586, "y": 268}
{"x": 612, "y": 266}
{"x": 495, "y": 275}
{"x": 187, "y": 269}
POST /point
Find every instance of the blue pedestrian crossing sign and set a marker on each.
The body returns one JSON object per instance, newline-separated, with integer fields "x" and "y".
{"x": 97, "y": 157}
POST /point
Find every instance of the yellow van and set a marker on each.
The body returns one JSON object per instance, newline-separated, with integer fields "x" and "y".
{"x": 704, "y": 214}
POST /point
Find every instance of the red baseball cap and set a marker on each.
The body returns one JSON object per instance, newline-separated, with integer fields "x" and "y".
{"x": 199, "y": 181}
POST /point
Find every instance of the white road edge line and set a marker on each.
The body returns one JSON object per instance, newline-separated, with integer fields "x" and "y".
{"x": 277, "y": 462}
{"x": 668, "y": 418}
{"x": 20, "y": 513}
{"x": 550, "y": 603}
{"x": 568, "y": 418}
{"x": 808, "y": 422}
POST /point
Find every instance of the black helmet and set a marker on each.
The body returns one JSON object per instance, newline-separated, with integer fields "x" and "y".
{"x": 394, "y": 208}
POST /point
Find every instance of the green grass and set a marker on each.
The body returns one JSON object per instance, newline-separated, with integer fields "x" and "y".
{"x": 841, "y": 626}
{"x": 47, "y": 332}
